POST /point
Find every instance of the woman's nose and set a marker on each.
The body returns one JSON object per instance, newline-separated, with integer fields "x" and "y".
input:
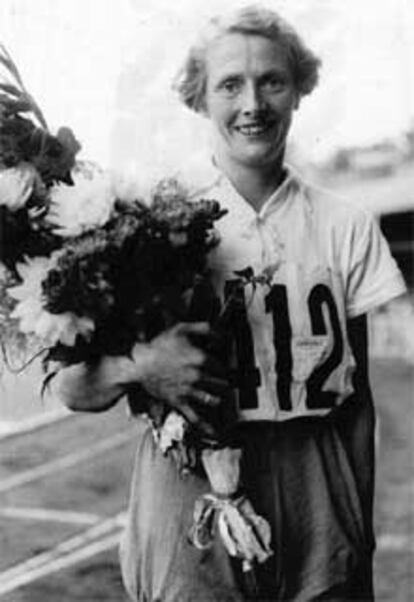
{"x": 251, "y": 100}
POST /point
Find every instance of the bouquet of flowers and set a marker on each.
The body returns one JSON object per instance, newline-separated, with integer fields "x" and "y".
{"x": 32, "y": 160}
{"x": 97, "y": 268}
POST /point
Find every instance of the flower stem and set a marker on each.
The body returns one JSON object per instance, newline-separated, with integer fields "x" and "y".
{"x": 23, "y": 367}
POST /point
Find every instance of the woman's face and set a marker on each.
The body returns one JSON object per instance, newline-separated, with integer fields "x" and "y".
{"x": 250, "y": 98}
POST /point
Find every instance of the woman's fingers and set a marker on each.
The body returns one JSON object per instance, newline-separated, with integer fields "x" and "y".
{"x": 204, "y": 398}
{"x": 192, "y": 328}
{"x": 191, "y": 415}
{"x": 214, "y": 385}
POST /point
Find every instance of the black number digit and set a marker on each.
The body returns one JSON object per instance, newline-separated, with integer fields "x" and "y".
{"x": 276, "y": 302}
{"x": 320, "y": 297}
{"x": 247, "y": 377}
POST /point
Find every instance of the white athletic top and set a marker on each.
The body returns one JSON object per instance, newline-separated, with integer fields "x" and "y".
{"x": 326, "y": 261}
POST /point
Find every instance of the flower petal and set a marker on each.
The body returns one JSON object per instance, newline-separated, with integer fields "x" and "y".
{"x": 16, "y": 185}
{"x": 85, "y": 205}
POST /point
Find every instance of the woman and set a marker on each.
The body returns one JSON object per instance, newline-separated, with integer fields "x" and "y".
{"x": 305, "y": 409}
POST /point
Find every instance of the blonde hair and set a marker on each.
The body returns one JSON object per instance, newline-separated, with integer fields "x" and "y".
{"x": 191, "y": 80}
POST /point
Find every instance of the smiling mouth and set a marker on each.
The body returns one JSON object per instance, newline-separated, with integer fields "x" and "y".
{"x": 253, "y": 130}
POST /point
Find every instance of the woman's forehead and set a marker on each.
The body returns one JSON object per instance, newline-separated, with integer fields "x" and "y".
{"x": 234, "y": 51}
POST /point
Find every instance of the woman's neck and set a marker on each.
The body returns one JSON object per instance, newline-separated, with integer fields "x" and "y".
{"x": 254, "y": 184}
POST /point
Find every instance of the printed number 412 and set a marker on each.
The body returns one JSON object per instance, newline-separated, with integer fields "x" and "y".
{"x": 276, "y": 303}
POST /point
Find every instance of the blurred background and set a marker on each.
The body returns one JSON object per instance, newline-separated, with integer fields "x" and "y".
{"x": 105, "y": 68}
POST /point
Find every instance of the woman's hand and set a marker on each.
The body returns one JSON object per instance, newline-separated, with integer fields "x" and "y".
{"x": 175, "y": 369}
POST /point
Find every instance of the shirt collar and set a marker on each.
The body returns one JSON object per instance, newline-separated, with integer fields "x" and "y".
{"x": 235, "y": 200}
{"x": 204, "y": 177}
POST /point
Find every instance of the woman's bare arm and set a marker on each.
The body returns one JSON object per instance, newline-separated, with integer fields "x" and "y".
{"x": 97, "y": 387}
{"x": 170, "y": 368}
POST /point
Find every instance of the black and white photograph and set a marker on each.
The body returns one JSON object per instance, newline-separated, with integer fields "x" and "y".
{"x": 206, "y": 301}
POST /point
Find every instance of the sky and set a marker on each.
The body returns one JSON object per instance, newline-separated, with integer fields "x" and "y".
{"x": 104, "y": 68}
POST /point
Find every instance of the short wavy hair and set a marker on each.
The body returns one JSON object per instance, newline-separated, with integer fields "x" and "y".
{"x": 191, "y": 80}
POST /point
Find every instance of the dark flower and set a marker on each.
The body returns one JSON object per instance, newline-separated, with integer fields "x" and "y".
{"x": 15, "y": 137}
{"x": 53, "y": 156}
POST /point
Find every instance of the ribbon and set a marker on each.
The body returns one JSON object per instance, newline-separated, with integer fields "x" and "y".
{"x": 245, "y": 534}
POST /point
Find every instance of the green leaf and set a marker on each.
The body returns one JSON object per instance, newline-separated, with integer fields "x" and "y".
{"x": 14, "y": 106}
{"x": 8, "y": 62}
{"x": 12, "y": 90}
{"x": 38, "y": 113}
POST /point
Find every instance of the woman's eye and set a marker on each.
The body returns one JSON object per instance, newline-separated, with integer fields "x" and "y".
{"x": 230, "y": 86}
{"x": 273, "y": 84}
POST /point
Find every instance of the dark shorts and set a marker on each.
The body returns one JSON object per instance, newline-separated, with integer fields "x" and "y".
{"x": 312, "y": 479}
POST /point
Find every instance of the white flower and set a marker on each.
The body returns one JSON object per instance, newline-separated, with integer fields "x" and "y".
{"x": 128, "y": 187}
{"x": 34, "y": 318}
{"x": 16, "y": 185}
{"x": 172, "y": 431}
{"x": 63, "y": 328}
{"x": 86, "y": 205}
